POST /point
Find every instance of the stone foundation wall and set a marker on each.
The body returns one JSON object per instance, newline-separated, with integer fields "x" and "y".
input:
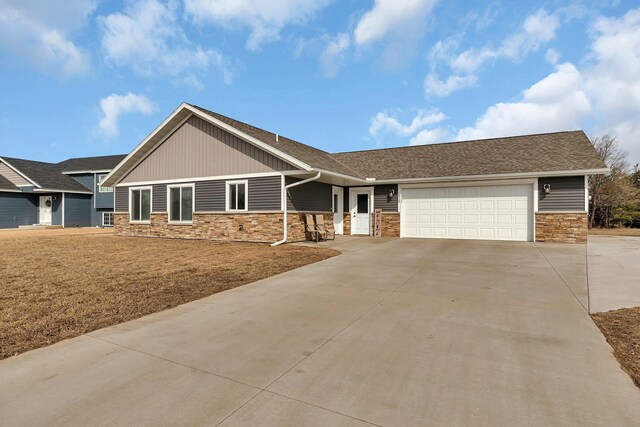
{"x": 346, "y": 224}
{"x": 265, "y": 227}
{"x": 561, "y": 227}
{"x": 390, "y": 224}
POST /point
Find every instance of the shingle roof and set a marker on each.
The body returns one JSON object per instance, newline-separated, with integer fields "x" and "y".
{"x": 550, "y": 152}
{"x": 46, "y": 175}
{"x": 5, "y": 184}
{"x": 91, "y": 163}
{"x": 312, "y": 156}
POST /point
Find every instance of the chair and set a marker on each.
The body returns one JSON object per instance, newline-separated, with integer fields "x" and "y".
{"x": 323, "y": 229}
{"x": 310, "y": 228}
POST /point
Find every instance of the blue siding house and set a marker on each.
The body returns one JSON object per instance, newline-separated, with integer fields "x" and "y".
{"x": 66, "y": 194}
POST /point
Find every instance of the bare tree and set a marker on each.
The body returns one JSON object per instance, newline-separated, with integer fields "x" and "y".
{"x": 614, "y": 189}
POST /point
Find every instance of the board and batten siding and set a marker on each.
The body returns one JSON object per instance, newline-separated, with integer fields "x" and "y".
{"x": 18, "y": 209}
{"x": 567, "y": 194}
{"x": 264, "y": 195}
{"x": 199, "y": 149}
{"x": 14, "y": 177}
{"x": 310, "y": 197}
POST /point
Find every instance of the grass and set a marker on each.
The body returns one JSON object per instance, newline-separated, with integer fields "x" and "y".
{"x": 57, "y": 287}
{"x": 614, "y": 231}
{"x": 622, "y": 330}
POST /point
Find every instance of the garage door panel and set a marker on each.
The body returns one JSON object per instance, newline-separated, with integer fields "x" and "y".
{"x": 500, "y": 212}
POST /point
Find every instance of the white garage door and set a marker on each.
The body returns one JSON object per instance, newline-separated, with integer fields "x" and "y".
{"x": 496, "y": 212}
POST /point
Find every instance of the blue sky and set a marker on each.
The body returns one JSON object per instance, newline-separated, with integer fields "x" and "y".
{"x": 84, "y": 77}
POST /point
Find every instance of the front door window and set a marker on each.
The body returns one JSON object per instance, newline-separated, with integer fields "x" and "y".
{"x": 363, "y": 203}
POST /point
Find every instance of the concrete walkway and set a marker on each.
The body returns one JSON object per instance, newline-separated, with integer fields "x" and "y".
{"x": 614, "y": 272}
{"x": 400, "y": 332}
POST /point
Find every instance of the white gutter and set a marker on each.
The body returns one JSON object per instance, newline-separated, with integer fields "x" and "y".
{"x": 284, "y": 204}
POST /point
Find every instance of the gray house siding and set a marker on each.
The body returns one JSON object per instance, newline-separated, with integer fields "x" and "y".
{"x": 381, "y": 199}
{"x": 200, "y": 149}
{"x": 18, "y": 209}
{"x": 100, "y": 202}
{"x": 310, "y": 197}
{"x": 567, "y": 194}
{"x": 56, "y": 209}
{"x": 77, "y": 210}
{"x": 210, "y": 196}
{"x": 103, "y": 200}
{"x": 159, "y": 198}
{"x": 264, "y": 195}
{"x": 122, "y": 199}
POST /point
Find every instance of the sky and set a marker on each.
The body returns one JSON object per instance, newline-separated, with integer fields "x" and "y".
{"x": 89, "y": 78}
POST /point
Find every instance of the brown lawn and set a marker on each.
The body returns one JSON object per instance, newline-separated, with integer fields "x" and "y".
{"x": 622, "y": 330}
{"x": 60, "y": 286}
{"x": 614, "y": 231}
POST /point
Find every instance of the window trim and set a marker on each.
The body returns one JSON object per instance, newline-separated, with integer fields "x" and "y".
{"x": 98, "y": 181}
{"x": 131, "y": 190}
{"x": 227, "y": 186}
{"x": 193, "y": 202}
{"x": 112, "y": 219}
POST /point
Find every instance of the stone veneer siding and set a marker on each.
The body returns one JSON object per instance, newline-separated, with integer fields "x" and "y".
{"x": 264, "y": 227}
{"x": 562, "y": 227}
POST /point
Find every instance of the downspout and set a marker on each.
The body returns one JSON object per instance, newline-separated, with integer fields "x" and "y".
{"x": 284, "y": 199}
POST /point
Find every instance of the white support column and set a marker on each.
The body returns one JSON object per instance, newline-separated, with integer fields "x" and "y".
{"x": 586, "y": 193}
{"x": 62, "y": 206}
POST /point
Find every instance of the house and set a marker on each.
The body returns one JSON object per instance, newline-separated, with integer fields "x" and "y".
{"x": 56, "y": 194}
{"x": 203, "y": 175}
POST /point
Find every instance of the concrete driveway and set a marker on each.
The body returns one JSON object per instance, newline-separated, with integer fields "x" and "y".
{"x": 398, "y": 332}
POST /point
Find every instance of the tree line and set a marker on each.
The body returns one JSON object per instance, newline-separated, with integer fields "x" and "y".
{"x": 614, "y": 198}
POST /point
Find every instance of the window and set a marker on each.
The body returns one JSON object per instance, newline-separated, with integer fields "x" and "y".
{"x": 335, "y": 203}
{"x": 101, "y": 178}
{"x": 180, "y": 203}
{"x": 140, "y": 204}
{"x": 107, "y": 219}
{"x": 237, "y": 196}
{"x": 363, "y": 204}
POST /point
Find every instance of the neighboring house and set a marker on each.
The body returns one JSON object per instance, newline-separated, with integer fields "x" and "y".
{"x": 206, "y": 176}
{"x": 59, "y": 194}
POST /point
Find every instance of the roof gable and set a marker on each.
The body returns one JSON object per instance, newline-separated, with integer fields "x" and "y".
{"x": 198, "y": 149}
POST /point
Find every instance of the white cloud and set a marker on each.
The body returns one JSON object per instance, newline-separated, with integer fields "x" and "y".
{"x": 148, "y": 38}
{"x": 537, "y": 29}
{"x": 436, "y": 87}
{"x": 334, "y": 53}
{"x": 391, "y": 16}
{"x": 430, "y": 136}
{"x": 113, "y": 106}
{"x": 264, "y": 18}
{"x": 41, "y": 31}
{"x": 557, "y": 102}
{"x": 384, "y": 124}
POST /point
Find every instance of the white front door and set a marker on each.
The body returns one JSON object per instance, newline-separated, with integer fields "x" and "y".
{"x": 360, "y": 200}
{"x": 338, "y": 209}
{"x": 44, "y": 210}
